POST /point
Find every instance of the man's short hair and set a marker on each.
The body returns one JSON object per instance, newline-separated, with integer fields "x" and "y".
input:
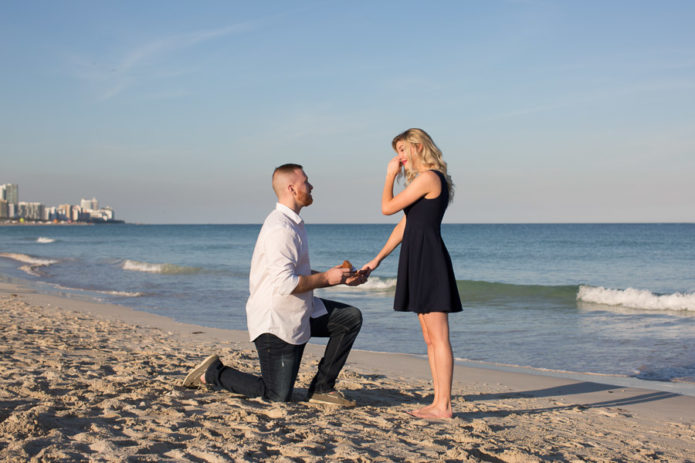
{"x": 286, "y": 169}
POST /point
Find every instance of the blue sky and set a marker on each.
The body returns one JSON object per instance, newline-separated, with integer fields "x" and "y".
{"x": 177, "y": 112}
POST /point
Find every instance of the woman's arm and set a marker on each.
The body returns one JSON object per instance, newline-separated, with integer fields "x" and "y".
{"x": 391, "y": 244}
{"x": 424, "y": 184}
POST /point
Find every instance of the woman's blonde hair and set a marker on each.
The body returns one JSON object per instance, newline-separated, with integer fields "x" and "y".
{"x": 430, "y": 156}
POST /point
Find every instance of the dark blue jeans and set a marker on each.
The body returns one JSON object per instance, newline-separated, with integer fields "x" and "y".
{"x": 280, "y": 360}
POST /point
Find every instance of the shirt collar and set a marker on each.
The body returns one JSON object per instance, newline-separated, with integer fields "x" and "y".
{"x": 289, "y": 213}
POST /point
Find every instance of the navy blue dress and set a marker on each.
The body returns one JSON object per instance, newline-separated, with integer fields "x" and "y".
{"x": 426, "y": 281}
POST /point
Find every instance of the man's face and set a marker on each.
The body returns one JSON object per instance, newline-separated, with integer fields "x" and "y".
{"x": 302, "y": 189}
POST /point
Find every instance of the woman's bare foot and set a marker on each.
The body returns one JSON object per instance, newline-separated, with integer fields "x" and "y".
{"x": 433, "y": 413}
{"x": 419, "y": 411}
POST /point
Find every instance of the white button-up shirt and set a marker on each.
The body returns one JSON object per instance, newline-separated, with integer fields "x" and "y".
{"x": 281, "y": 255}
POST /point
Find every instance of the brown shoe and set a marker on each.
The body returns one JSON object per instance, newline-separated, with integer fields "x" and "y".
{"x": 193, "y": 378}
{"x": 331, "y": 398}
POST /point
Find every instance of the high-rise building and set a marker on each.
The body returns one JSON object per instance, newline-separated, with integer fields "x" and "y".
{"x": 4, "y": 209}
{"x": 31, "y": 211}
{"x": 10, "y": 193}
{"x": 64, "y": 212}
{"x": 89, "y": 204}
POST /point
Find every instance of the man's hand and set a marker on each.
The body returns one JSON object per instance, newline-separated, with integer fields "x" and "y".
{"x": 337, "y": 275}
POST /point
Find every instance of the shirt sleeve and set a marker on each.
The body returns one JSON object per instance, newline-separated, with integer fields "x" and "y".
{"x": 282, "y": 247}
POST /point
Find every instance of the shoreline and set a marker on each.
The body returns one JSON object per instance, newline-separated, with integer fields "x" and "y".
{"x": 677, "y": 387}
{"x": 85, "y": 380}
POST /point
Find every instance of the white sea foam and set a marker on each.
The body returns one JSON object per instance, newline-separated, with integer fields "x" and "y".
{"x": 121, "y": 293}
{"x": 373, "y": 284}
{"x": 170, "y": 269}
{"x": 379, "y": 284}
{"x": 44, "y": 240}
{"x": 34, "y": 264}
{"x": 636, "y": 298}
{"x": 109, "y": 292}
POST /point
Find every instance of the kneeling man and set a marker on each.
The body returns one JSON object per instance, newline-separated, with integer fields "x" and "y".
{"x": 282, "y": 312}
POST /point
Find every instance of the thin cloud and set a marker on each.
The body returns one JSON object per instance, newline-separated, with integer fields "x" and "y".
{"x": 113, "y": 79}
{"x": 157, "y": 48}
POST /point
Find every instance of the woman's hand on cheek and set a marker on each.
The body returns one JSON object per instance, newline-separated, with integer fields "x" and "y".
{"x": 394, "y": 166}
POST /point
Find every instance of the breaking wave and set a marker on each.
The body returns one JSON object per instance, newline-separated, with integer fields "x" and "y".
{"x": 636, "y": 298}
{"x": 165, "y": 269}
{"x": 34, "y": 264}
{"x": 379, "y": 284}
{"x": 372, "y": 285}
{"x": 44, "y": 240}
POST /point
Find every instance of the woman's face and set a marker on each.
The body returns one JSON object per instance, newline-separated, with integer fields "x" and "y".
{"x": 403, "y": 151}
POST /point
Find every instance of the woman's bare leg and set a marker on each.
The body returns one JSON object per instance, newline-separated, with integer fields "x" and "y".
{"x": 436, "y": 327}
{"x": 431, "y": 359}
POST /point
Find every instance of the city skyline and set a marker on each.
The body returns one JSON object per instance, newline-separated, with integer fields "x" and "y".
{"x": 13, "y": 210}
{"x": 545, "y": 111}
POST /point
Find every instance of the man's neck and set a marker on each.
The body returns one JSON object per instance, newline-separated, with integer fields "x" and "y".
{"x": 291, "y": 204}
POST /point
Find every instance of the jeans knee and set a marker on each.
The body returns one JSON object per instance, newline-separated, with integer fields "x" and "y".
{"x": 355, "y": 318}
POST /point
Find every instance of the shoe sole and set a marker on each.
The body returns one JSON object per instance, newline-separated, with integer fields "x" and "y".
{"x": 326, "y": 402}
{"x": 193, "y": 378}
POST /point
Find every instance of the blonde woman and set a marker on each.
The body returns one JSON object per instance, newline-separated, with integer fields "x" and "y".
{"x": 426, "y": 283}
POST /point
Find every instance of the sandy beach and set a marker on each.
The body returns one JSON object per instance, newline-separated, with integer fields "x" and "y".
{"x": 83, "y": 381}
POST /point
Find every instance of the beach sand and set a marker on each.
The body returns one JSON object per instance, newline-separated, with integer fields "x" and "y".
{"x": 82, "y": 381}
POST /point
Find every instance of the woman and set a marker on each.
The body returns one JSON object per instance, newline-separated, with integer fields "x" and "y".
{"x": 426, "y": 283}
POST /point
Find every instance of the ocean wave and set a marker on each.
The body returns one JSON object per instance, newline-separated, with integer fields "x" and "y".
{"x": 636, "y": 298}
{"x": 372, "y": 285}
{"x": 100, "y": 291}
{"x": 165, "y": 269}
{"x": 121, "y": 293}
{"x": 485, "y": 292}
{"x": 34, "y": 264}
{"x": 378, "y": 284}
{"x": 44, "y": 240}
{"x": 675, "y": 373}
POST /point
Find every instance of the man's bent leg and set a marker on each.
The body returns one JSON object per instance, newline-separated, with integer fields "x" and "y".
{"x": 234, "y": 380}
{"x": 279, "y": 366}
{"x": 341, "y": 325}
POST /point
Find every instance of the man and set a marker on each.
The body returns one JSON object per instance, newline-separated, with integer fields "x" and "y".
{"x": 282, "y": 312}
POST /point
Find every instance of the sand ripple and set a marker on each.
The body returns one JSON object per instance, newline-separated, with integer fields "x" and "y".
{"x": 76, "y": 388}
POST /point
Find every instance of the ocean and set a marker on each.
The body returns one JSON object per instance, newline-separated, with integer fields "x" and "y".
{"x": 611, "y": 299}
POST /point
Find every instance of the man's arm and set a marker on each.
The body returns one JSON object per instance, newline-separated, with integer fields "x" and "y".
{"x": 331, "y": 277}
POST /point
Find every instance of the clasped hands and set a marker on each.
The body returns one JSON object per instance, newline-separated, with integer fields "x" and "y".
{"x": 354, "y": 277}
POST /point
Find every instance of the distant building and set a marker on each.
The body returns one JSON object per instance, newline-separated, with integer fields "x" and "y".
{"x": 89, "y": 204}
{"x": 10, "y": 193}
{"x": 105, "y": 214}
{"x": 76, "y": 213}
{"x": 64, "y": 212}
{"x": 31, "y": 211}
{"x": 87, "y": 211}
